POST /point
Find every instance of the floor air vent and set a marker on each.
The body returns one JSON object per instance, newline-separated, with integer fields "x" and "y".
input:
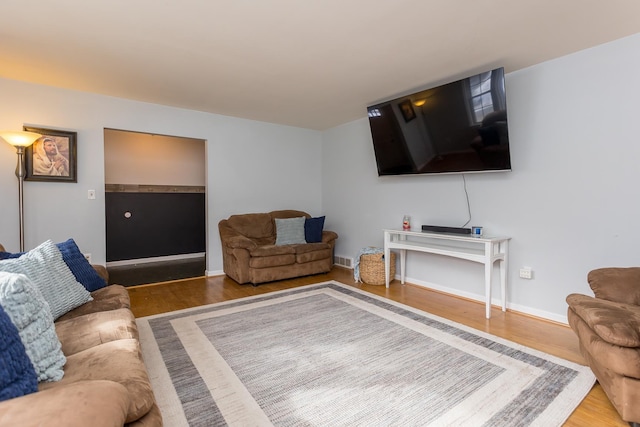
{"x": 343, "y": 261}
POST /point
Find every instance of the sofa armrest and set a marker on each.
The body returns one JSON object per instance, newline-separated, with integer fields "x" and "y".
{"x": 240, "y": 242}
{"x": 616, "y": 284}
{"x": 232, "y": 239}
{"x": 329, "y": 236}
{"x": 614, "y": 322}
{"x": 96, "y": 403}
{"x": 102, "y": 271}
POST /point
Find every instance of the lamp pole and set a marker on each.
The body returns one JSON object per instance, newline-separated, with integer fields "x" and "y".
{"x": 20, "y": 173}
{"x": 20, "y": 140}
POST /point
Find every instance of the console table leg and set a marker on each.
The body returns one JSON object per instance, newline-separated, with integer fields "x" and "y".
{"x": 504, "y": 265}
{"x": 387, "y": 256}
{"x": 503, "y": 284}
{"x": 488, "y": 269}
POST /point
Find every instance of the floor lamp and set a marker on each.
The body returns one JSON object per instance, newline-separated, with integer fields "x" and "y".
{"x": 20, "y": 140}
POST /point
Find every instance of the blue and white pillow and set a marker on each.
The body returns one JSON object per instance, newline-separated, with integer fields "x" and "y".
{"x": 30, "y": 314}
{"x": 47, "y": 270}
{"x": 84, "y": 273}
{"x": 17, "y": 376}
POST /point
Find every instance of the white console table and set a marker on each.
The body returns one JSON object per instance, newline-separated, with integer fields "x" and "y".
{"x": 485, "y": 250}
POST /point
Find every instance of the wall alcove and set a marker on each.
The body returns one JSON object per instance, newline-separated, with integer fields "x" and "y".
{"x": 154, "y": 207}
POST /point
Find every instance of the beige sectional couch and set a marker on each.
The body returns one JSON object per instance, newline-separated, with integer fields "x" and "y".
{"x": 105, "y": 381}
{"x": 251, "y": 253}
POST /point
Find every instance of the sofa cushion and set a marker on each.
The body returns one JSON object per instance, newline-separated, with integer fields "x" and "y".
{"x": 315, "y": 255}
{"x": 17, "y": 375}
{"x": 313, "y": 229}
{"x": 83, "y": 332}
{"x": 86, "y": 403}
{"x": 253, "y": 225}
{"x": 310, "y": 247}
{"x": 84, "y": 272}
{"x": 30, "y": 314}
{"x": 272, "y": 261}
{"x": 119, "y": 361}
{"x": 111, "y": 297}
{"x": 616, "y": 323}
{"x": 272, "y": 256}
{"x": 272, "y": 250}
{"x": 290, "y": 231}
{"x": 45, "y": 267}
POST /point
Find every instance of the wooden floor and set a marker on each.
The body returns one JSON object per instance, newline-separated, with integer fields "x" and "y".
{"x": 549, "y": 337}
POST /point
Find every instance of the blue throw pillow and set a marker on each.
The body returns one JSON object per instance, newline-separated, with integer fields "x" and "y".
{"x": 313, "y": 229}
{"x": 17, "y": 375}
{"x": 77, "y": 263}
{"x": 8, "y": 255}
{"x": 80, "y": 267}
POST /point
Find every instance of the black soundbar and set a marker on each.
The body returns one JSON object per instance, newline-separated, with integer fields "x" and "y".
{"x": 443, "y": 229}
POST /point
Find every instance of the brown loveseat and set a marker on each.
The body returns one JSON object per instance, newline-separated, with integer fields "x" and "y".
{"x": 250, "y": 253}
{"x": 608, "y": 327}
{"x": 105, "y": 381}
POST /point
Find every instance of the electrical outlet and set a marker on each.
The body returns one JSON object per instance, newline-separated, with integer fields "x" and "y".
{"x": 88, "y": 257}
{"x": 91, "y": 194}
{"x": 526, "y": 273}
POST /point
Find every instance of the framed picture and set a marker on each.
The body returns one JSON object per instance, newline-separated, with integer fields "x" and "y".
{"x": 52, "y": 157}
{"x": 407, "y": 110}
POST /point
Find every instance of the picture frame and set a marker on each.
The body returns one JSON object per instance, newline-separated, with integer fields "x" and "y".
{"x": 407, "y": 110}
{"x": 53, "y": 157}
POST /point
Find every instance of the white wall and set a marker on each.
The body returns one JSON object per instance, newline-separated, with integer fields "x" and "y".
{"x": 148, "y": 159}
{"x": 570, "y": 204}
{"x": 251, "y": 166}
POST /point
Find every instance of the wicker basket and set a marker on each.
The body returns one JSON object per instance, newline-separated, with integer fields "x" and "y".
{"x": 372, "y": 268}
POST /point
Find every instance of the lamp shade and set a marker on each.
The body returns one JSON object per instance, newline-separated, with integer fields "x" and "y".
{"x": 19, "y": 138}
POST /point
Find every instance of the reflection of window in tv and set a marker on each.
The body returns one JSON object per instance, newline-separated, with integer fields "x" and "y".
{"x": 374, "y": 112}
{"x": 481, "y": 98}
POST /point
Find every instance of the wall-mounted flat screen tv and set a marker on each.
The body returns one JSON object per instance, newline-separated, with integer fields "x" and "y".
{"x": 458, "y": 127}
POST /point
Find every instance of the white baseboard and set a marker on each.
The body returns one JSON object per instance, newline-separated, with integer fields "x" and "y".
{"x": 494, "y": 301}
{"x": 211, "y": 273}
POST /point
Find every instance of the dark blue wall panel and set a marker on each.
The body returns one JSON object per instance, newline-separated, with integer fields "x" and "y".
{"x": 160, "y": 224}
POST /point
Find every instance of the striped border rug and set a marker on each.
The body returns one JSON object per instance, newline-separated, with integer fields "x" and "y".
{"x": 332, "y": 355}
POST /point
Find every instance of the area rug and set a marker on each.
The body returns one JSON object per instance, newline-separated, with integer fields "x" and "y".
{"x": 332, "y": 355}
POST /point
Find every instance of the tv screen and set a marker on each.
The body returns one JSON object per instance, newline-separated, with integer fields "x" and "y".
{"x": 458, "y": 127}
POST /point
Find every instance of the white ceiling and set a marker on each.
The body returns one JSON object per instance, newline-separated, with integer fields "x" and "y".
{"x": 308, "y": 63}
